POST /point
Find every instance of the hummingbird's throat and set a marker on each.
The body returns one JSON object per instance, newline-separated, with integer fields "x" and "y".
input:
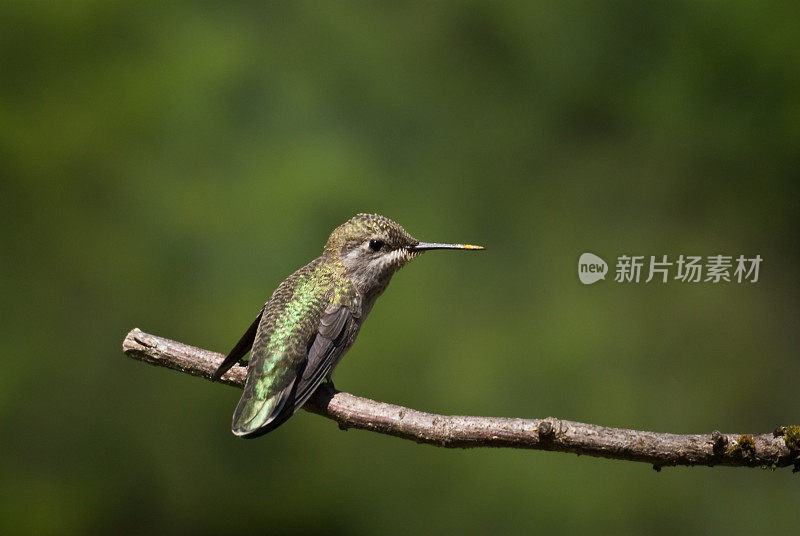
{"x": 369, "y": 273}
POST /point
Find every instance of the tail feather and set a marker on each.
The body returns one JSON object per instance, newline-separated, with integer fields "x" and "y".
{"x": 254, "y": 416}
{"x": 238, "y": 351}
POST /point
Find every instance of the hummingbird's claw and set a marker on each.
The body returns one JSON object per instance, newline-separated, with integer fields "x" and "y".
{"x": 329, "y": 381}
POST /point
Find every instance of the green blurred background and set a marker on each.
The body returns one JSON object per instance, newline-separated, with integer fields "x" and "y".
{"x": 165, "y": 166}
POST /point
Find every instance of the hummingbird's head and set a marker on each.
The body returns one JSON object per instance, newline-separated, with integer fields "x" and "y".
{"x": 372, "y": 248}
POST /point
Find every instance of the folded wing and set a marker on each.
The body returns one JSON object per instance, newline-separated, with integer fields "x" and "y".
{"x": 277, "y": 387}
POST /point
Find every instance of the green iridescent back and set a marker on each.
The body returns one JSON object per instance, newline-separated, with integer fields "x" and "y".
{"x": 288, "y": 326}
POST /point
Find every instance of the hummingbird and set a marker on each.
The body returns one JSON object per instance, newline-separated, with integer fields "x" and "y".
{"x": 313, "y": 318}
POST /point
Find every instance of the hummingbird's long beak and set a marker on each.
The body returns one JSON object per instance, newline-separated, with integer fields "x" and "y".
{"x": 423, "y": 246}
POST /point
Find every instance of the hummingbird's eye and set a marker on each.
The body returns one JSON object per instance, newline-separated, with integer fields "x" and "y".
{"x": 375, "y": 244}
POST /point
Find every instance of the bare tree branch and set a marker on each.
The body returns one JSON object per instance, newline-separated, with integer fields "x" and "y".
{"x": 778, "y": 449}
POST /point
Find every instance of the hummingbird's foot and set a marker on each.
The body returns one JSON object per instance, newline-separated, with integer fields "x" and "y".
{"x": 329, "y": 380}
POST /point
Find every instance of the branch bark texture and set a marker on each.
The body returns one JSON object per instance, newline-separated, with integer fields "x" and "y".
{"x": 777, "y": 449}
